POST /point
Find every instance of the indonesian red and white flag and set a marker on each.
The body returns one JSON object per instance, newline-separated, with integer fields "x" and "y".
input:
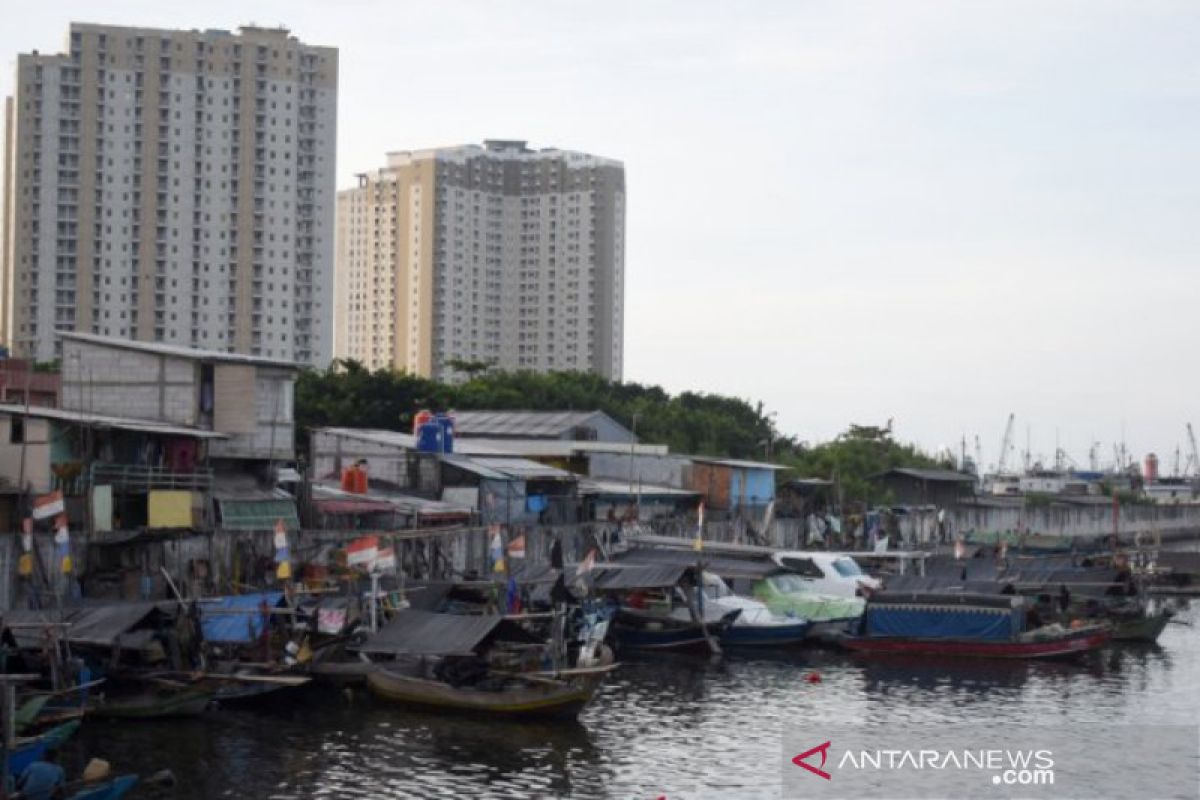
{"x": 698, "y": 544}
{"x": 516, "y": 548}
{"x": 362, "y": 551}
{"x": 280, "y": 535}
{"x": 385, "y": 561}
{"x": 48, "y": 505}
{"x": 587, "y": 565}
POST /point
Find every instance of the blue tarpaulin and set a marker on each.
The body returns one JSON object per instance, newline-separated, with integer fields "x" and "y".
{"x": 237, "y": 619}
{"x": 938, "y": 619}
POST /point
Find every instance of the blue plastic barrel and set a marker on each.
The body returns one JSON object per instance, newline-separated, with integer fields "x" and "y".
{"x": 446, "y": 422}
{"x": 429, "y": 437}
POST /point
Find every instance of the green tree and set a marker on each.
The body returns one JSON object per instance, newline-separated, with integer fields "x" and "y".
{"x": 853, "y": 457}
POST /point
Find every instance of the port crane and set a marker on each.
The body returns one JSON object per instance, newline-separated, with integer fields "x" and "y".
{"x": 1194, "y": 457}
{"x": 1006, "y": 444}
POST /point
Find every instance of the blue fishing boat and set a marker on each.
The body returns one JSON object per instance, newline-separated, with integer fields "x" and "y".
{"x": 27, "y": 751}
{"x": 109, "y": 790}
{"x": 642, "y": 629}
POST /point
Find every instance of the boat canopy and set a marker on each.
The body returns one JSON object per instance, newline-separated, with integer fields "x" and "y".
{"x": 922, "y": 615}
{"x": 236, "y": 619}
{"x": 425, "y": 633}
{"x": 637, "y": 576}
{"x": 1084, "y": 581}
{"x": 728, "y": 567}
{"x": 100, "y": 626}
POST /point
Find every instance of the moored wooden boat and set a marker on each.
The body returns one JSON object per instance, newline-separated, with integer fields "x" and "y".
{"x": 518, "y": 696}
{"x": 27, "y": 751}
{"x": 965, "y": 625}
{"x": 156, "y": 703}
{"x": 1070, "y": 643}
{"x": 485, "y": 665}
{"x": 1146, "y": 628}
{"x": 633, "y": 629}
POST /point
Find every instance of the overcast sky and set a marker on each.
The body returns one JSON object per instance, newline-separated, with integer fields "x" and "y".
{"x": 852, "y": 211}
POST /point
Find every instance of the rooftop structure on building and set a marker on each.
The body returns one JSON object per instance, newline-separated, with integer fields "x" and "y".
{"x": 172, "y": 186}
{"x": 248, "y": 399}
{"x": 926, "y": 487}
{"x": 497, "y": 255}
{"x": 587, "y": 426}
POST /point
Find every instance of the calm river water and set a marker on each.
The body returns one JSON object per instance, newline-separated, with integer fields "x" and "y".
{"x": 671, "y": 727}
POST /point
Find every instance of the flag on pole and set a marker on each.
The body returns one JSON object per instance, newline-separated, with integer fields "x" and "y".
{"x": 25, "y": 562}
{"x": 516, "y": 548}
{"x": 513, "y": 596}
{"x": 496, "y": 550}
{"x": 362, "y": 551}
{"x": 698, "y": 545}
{"x": 62, "y": 549}
{"x": 48, "y": 505}
{"x": 282, "y": 553}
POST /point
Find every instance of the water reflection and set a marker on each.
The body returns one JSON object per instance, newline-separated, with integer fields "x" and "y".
{"x": 679, "y": 726}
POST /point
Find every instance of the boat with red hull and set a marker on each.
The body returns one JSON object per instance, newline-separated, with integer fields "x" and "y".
{"x": 1071, "y": 644}
{"x": 963, "y": 625}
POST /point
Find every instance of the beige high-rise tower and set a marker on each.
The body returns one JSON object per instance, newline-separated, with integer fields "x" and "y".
{"x": 493, "y": 254}
{"x": 172, "y": 186}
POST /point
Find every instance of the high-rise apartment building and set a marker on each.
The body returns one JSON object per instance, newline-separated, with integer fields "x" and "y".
{"x": 172, "y": 186}
{"x": 493, "y": 254}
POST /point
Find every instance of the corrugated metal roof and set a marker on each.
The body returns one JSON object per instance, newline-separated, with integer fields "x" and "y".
{"x": 533, "y": 424}
{"x": 932, "y": 475}
{"x": 373, "y": 435}
{"x": 332, "y": 500}
{"x": 120, "y": 423}
{"x": 554, "y": 448}
{"x": 467, "y": 464}
{"x": 525, "y": 468}
{"x": 612, "y": 488}
{"x": 736, "y": 463}
{"x": 177, "y": 351}
{"x": 504, "y": 469}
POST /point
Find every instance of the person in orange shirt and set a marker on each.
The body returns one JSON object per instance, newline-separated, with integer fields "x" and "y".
{"x": 354, "y": 478}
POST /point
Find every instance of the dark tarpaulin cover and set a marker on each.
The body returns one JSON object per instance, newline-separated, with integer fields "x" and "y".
{"x": 944, "y": 616}
{"x": 236, "y": 619}
{"x": 1084, "y": 581}
{"x": 922, "y": 583}
{"x": 975, "y": 569}
{"x": 424, "y": 633}
{"x": 525, "y": 573}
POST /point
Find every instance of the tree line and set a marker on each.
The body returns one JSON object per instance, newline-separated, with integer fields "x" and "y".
{"x": 696, "y": 423}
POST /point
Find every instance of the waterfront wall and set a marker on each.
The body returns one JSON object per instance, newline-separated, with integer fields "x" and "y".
{"x": 123, "y": 566}
{"x": 130, "y": 566}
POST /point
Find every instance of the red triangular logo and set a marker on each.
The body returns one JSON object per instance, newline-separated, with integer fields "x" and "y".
{"x": 823, "y": 749}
